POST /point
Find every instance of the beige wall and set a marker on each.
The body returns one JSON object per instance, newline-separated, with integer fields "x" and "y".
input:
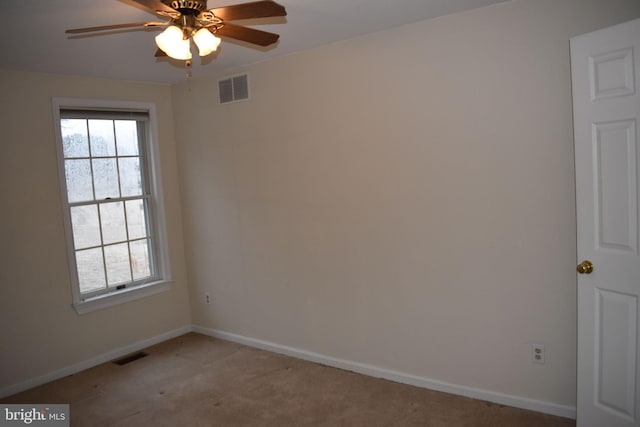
{"x": 40, "y": 331}
{"x": 403, "y": 199}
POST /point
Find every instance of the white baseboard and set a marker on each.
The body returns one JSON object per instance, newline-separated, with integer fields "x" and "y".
{"x": 361, "y": 368}
{"x": 94, "y": 361}
{"x": 400, "y": 377}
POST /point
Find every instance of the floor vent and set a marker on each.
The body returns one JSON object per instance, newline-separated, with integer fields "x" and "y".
{"x": 233, "y": 89}
{"x": 130, "y": 358}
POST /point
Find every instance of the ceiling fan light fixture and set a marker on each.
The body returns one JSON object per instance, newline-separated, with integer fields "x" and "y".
{"x": 172, "y": 42}
{"x": 190, "y": 19}
{"x": 207, "y": 43}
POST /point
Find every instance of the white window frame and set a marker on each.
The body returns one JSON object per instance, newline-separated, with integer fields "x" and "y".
{"x": 162, "y": 282}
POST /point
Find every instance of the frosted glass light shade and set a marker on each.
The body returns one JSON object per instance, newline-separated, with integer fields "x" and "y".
{"x": 171, "y": 42}
{"x": 206, "y": 41}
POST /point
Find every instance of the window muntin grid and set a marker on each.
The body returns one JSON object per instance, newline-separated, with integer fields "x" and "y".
{"x": 109, "y": 200}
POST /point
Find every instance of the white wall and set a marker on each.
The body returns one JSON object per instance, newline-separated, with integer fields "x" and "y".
{"x": 41, "y": 333}
{"x": 403, "y": 199}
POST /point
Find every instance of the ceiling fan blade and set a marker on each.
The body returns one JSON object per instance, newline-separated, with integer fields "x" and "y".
{"x": 155, "y": 5}
{"x": 160, "y": 53}
{"x": 115, "y": 27}
{"x": 258, "y": 9}
{"x": 246, "y": 34}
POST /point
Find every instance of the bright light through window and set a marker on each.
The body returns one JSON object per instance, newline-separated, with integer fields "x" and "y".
{"x": 110, "y": 200}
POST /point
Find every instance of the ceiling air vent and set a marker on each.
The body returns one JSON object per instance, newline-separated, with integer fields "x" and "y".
{"x": 233, "y": 89}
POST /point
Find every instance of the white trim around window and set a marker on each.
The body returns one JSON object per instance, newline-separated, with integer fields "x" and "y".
{"x": 159, "y": 276}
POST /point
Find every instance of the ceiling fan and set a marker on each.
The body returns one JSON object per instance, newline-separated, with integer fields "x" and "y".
{"x": 190, "y": 19}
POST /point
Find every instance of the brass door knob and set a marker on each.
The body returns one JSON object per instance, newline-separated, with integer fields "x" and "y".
{"x": 585, "y": 267}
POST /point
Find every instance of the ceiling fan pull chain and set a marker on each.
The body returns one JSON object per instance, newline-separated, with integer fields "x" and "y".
{"x": 187, "y": 65}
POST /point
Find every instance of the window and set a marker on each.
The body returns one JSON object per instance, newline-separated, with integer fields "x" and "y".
{"x": 112, "y": 209}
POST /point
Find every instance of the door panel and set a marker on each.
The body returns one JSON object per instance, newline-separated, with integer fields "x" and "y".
{"x": 616, "y": 344}
{"x": 606, "y": 115}
{"x": 611, "y": 74}
{"x": 615, "y": 190}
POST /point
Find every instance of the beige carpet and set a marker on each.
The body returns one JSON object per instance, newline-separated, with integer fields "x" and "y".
{"x": 194, "y": 380}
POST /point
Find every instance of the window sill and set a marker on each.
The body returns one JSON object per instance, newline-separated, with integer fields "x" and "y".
{"x": 120, "y": 297}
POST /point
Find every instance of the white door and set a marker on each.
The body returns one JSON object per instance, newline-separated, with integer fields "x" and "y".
{"x": 605, "y": 67}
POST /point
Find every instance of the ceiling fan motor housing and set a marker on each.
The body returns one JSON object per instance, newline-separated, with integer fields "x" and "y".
{"x": 188, "y": 7}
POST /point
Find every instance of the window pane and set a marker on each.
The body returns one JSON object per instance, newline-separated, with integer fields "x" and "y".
{"x": 105, "y": 173}
{"x": 113, "y": 223}
{"x": 90, "y": 270}
{"x": 78, "y": 173}
{"x": 86, "y": 227}
{"x": 130, "y": 181}
{"x": 105, "y": 160}
{"x": 75, "y": 142}
{"x": 136, "y": 219}
{"x": 117, "y": 258}
{"x": 127, "y": 137}
{"x": 101, "y": 137}
{"x": 140, "y": 262}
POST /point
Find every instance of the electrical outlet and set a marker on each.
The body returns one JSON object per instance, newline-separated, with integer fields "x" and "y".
{"x": 537, "y": 353}
{"x": 207, "y": 300}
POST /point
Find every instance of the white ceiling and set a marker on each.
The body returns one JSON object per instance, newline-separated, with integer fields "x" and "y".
{"x": 33, "y": 37}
